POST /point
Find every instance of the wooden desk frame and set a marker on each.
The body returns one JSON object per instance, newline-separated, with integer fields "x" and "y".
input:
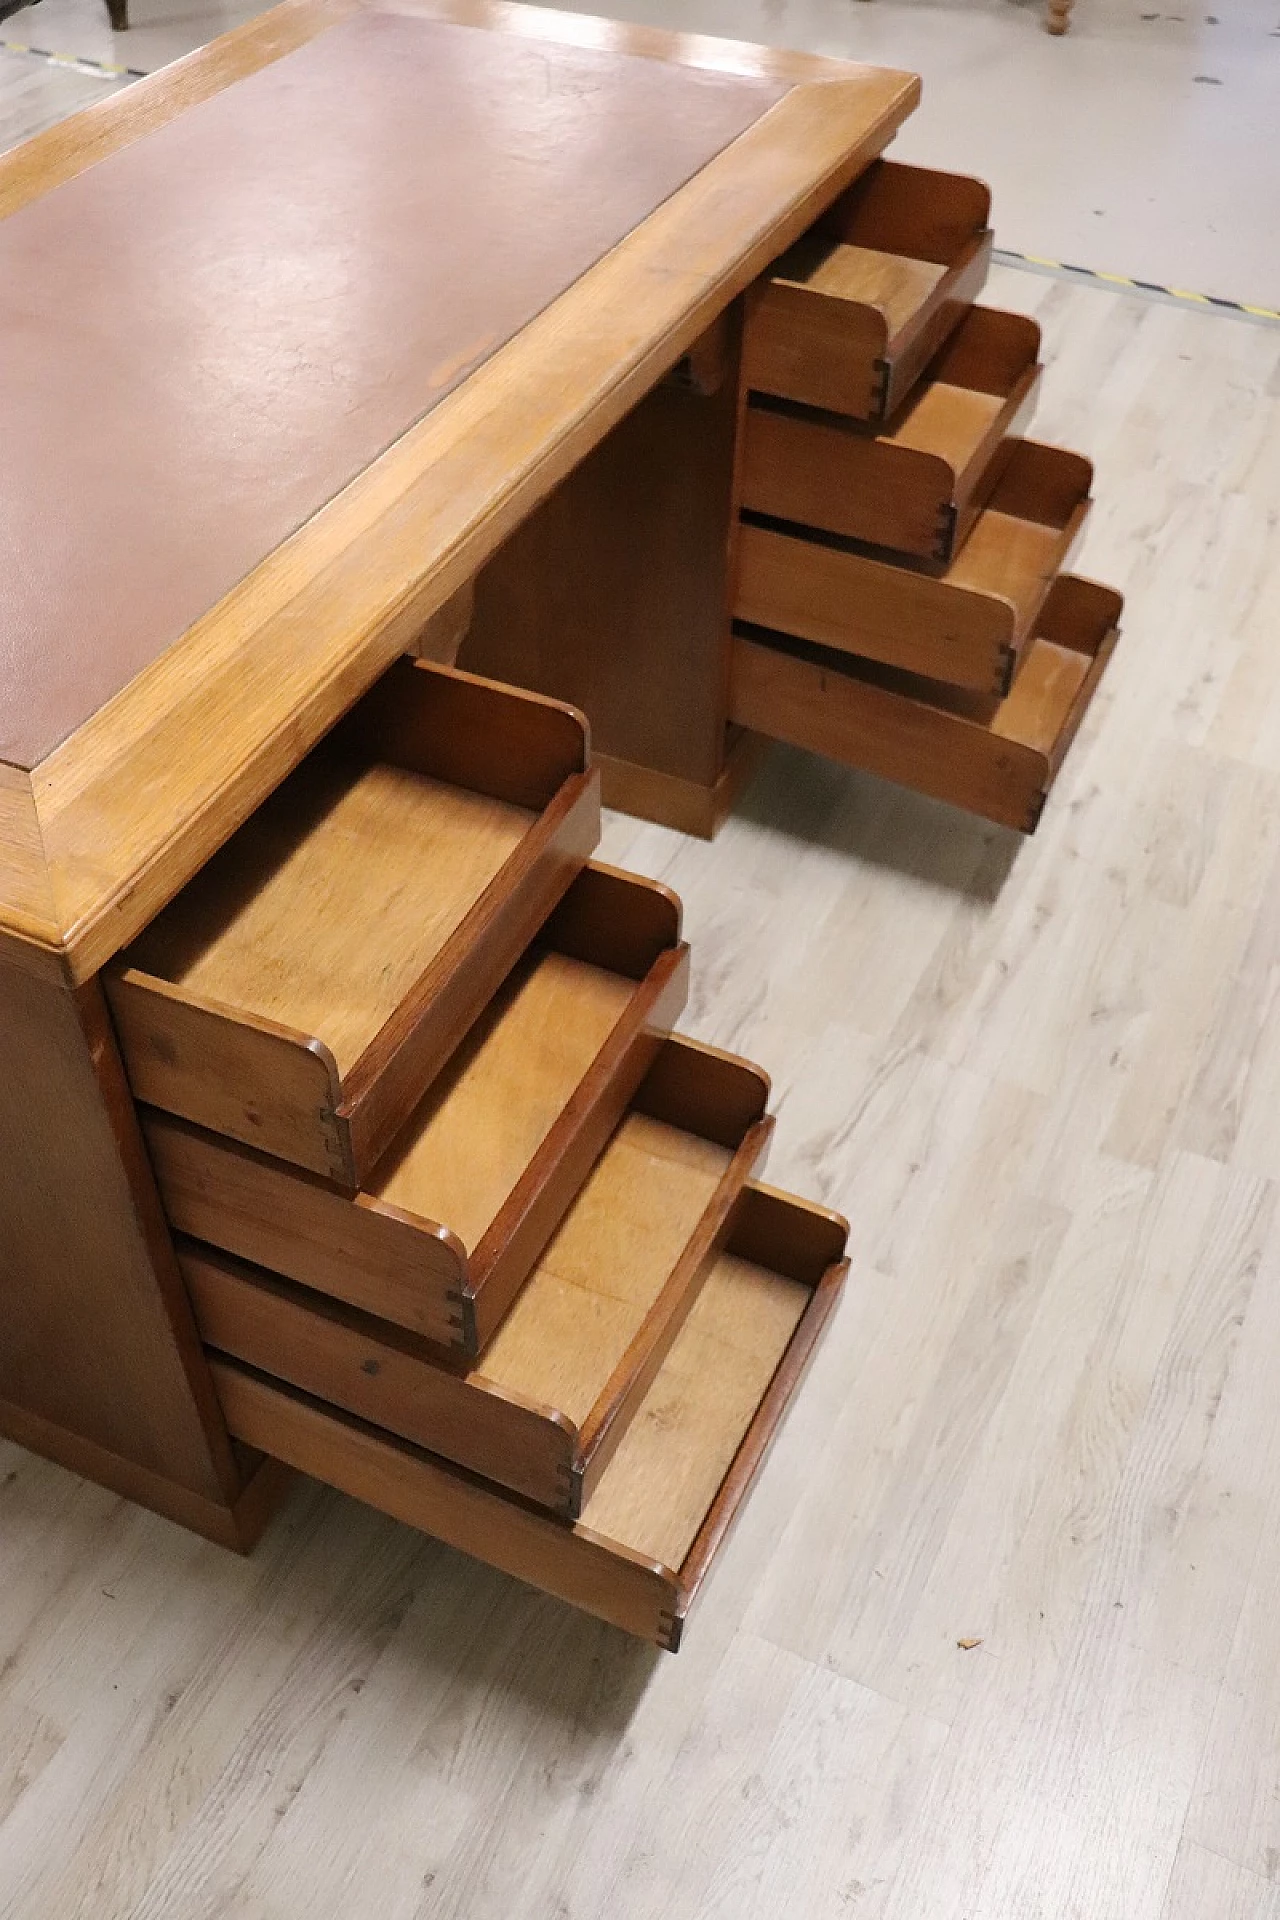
{"x": 101, "y": 1366}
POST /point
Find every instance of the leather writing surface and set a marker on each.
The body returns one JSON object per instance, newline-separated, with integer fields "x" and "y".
{"x": 206, "y": 335}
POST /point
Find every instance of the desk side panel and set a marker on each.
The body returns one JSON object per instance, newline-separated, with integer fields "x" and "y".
{"x": 613, "y": 594}
{"x": 99, "y": 1358}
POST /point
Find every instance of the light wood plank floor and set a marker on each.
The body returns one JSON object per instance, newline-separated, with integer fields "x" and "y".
{"x": 33, "y": 93}
{"x": 1043, "y": 1080}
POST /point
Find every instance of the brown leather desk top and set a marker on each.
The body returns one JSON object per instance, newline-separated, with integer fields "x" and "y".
{"x": 206, "y": 335}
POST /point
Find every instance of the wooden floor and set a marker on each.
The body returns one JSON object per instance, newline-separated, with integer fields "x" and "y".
{"x": 1043, "y": 1079}
{"x": 35, "y": 94}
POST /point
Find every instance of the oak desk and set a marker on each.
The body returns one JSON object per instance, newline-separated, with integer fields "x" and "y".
{"x": 298, "y": 332}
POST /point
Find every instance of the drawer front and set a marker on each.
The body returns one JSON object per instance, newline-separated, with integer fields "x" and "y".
{"x": 653, "y": 1527}
{"x": 850, "y": 317}
{"x": 997, "y": 758}
{"x": 965, "y": 626}
{"x": 853, "y": 604}
{"x": 302, "y": 992}
{"x": 908, "y": 487}
{"x": 814, "y": 471}
{"x": 375, "y": 1257}
{"x": 467, "y": 1512}
{"x": 367, "y": 1367}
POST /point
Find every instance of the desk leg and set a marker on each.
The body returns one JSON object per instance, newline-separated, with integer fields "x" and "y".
{"x": 101, "y": 1367}
{"x": 613, "y": 595}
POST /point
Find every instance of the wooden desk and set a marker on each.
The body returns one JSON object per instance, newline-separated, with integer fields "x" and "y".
{"x": 263, "y": 421}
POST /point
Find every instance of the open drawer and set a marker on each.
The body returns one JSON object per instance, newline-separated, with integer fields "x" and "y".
{"x": 996, "y": 757}
{"x": 915, "y": 485}
{"x": 966, "y": 625}
{"x": 661, "y": 1510}
{"x": 852, "y": 314}
{"x": 442, "y": 1240}
{"x": 304, "y": 989}
{"x": 545, "y": 1408}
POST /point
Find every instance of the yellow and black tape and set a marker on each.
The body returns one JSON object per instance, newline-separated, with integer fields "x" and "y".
{"x": 1212, "y": 301}
{"x": 78, "y": 63}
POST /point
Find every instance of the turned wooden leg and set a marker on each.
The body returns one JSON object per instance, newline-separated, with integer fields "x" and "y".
{"x": 1059, "y": 16}
{"x": 118, "y": 14}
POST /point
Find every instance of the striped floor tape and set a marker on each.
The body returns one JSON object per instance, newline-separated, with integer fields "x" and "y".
{"x": 1210, "y": 302}
{"x": 78, "y": 63}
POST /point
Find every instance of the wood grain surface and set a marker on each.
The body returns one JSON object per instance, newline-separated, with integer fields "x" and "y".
{"x": 546, "y": 1406}
{"x": 669, "y": 1465}
{"x": 675, "y": 1484}
{"x": 487, "y": 1115}
{"x": 373, "y": 1255}
{"x": 360, "y": 921}
{"x": 565, "y": 1334}
{"x": 138, "y": 798}
{"x": 449, "y": 1224}
{"x": 612, "y": 595}
{"x": 997, "y": 756}
{"x": 372, "y": 1369}
{"x": 917, "y": 484}
{"x": 850, "y": 317}
{"x": 100, "y": 1362}
{"x": 966, "y": 625}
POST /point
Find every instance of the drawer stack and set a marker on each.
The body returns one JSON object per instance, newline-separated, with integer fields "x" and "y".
{"x": 899, "y": 600}
{"x": 467, "y": 1231}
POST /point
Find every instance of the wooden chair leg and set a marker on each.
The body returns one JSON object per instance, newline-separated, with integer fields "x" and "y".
{"x": 1059, "y": 15}
{"x": 118, "y": 14}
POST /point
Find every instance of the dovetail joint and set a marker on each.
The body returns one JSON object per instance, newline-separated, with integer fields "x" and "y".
{"x": 948, "y": 519}
{"x": 570, "y": 1490}
{"x": 332, "y": 1142}
{"x": 465, "y": 1321}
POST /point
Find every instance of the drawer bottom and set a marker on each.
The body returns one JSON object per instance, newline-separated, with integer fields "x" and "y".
{"x": 652, "y": 1527}
{"x": 994, "y": 757}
